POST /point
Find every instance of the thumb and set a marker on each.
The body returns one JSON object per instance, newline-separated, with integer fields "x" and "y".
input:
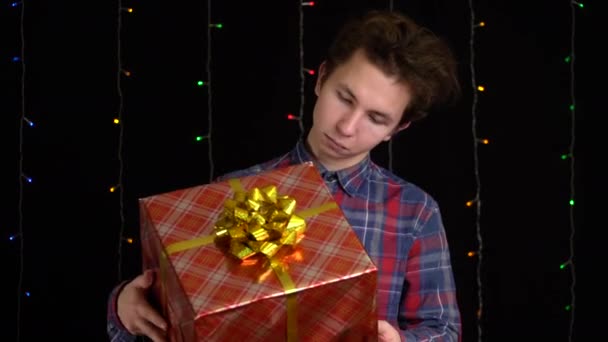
{"x": 144, "y": 280}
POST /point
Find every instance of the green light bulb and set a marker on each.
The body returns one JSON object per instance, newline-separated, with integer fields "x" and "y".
{"x": 571, "y": 202}
{"x": 200, "y": 83}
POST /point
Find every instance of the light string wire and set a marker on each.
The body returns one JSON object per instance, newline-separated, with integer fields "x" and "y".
{"x": 21, "y": 175}
{"x": 120, "y": 187}
{"x": 209, "y": 103}
{"x": 302, "y": 78}
{"x": 477, "y": 199}
{"x": 573, "y": 6}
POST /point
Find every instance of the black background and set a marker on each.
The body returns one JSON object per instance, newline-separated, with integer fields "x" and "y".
{"x": 71, "y": 223}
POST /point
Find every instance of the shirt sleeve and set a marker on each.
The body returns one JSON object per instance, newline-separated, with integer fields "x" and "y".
{"x": 429, "y": 310}
{"x": 116, "y": 331}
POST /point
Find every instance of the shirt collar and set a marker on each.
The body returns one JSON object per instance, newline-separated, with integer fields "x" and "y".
{"x": 351, "y": 178}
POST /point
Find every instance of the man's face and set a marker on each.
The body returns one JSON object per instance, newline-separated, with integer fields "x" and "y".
{"x": 357, "y": 108}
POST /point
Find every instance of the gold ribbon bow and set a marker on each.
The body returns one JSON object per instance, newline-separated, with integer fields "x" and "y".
{"x": 259, "y": 222}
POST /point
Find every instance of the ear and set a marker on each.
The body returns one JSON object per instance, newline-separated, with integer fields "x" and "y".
{"x": 320, "y": 77}
{"x": 402, "y": 126}
{"x": 398, "y": 129}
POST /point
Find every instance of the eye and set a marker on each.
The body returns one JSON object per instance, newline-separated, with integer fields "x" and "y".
{"x": 377, "y": 119}
{"x": 374, "y": 119}
{"x": 344, "y": 98}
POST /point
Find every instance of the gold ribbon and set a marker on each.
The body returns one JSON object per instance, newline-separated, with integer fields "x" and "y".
{"x": 259, "y": 222}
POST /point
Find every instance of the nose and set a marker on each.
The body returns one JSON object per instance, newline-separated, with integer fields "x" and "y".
{"x": 347, "y": 125}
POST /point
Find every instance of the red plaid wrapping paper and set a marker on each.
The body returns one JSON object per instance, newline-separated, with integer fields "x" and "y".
{"x": 208, "y": 296}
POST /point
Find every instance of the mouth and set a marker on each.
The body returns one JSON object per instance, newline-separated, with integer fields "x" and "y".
{"x": 335, "y": 145}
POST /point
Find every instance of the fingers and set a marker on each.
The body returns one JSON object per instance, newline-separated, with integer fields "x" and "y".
{"x": 150, "y": 315}
{"x": 382, "y": 330}
{"x": 387, "y": 333}
{"x": 136, "y": 313}
{"x": 149, "y": 323}
{"x": 152, "y": 331}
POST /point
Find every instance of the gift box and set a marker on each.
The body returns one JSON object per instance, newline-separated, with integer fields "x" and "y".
{"x": 268, "y": 257}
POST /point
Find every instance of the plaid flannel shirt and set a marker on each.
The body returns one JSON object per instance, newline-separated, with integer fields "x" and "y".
{"x": 401, "y": 228}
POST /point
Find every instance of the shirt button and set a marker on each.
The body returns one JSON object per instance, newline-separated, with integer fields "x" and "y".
{"x": 329, "y": 176}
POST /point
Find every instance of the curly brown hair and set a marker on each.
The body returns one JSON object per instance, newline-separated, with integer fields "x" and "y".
{"x": 400, "y": 47}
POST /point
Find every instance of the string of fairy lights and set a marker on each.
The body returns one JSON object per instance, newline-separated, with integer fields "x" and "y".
{"x": 302, "y": 77}
{"x": 118, "y": 121}
{"x": 570, "y": 156}
{"x": 209, "y": 103}
{"x": 476, "y": 141}
{"x": 303, "y": 71}
{"x": 118, "y": 186}
{"x": 207, "y": 137}
{"x": 23, "y": 121}
{"x": 569, "y": 263}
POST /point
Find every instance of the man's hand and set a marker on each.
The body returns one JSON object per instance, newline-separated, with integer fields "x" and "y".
{"x": 386, "y": 332}
{"x": 134, "y": 311}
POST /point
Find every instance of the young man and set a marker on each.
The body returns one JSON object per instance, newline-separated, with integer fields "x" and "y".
{"x": 382, "y": 72}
